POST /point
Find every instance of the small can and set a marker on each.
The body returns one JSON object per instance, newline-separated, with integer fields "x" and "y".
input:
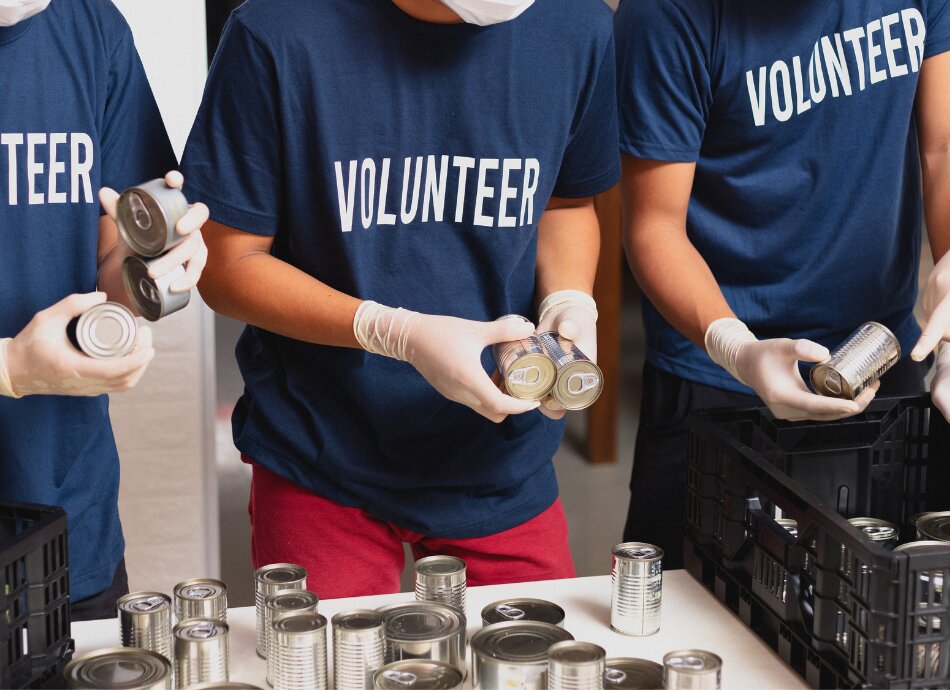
{"x": 299, "y": 650}
{"x": 576, "y": 666}
{"x": 879, "y": 531}
{"x": 201, "y": 652}
{"x": 526, "y": 369}
{"x": 514, "y": 655}
{"x": 790, "y": 525}
{"x": 425, "y": 630}
{"x": 145, "y": 621}
{"x": 579, "y": 381}
{"x": 147, "y": 215}
{"x": 523, "y": 609}
{"x": 270, "y": 579}
{"x": 933, "y": 526}
{"x": 201, "y": 597}
{"x": 692, "y": 669}
{"x": 857, "y": 363}
{"x": 410, "y": 674}
{"x": 152, "y": 297}
{"x": 359, "y": 648}
{"x": 119, "y": 667}
{"x": 627, "y": 673}
{"x": 637, "y": 588}
{"x": 106, "y": 331}
{"x": 442, "y": 579}
{"x": 282, "y": 604}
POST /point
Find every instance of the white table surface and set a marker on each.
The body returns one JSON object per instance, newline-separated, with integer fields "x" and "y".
{"x": 691, "y": 618}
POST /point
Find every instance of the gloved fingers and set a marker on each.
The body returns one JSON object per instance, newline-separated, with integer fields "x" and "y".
{"x": 495, "y": 405}
{"x": 174, "y": 179}
{"x": 809, "y": 351}
{"x": 507, "y": 330}
{"x": 192, "y": 221}
{"x": 936, "y": 330}
{"x": 813, "y": 406}
{"x": 72, "y": 306}
{"x": 193, "y": 270}
{"x": 109, "y": 198}
{"x": 177, "y": 256}
{"x": 551, "y": 408}
{"x": 116, "y": 371}
{"x": 567, "y": 328}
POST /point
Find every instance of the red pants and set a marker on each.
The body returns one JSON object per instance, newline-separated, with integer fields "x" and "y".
{"x": 349, "y": 553}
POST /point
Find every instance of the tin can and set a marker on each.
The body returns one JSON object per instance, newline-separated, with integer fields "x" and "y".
{"x": 105, "y": 331}
{"x": 879, "y": 531}
{"x": 227, "y": 685}
{"x": 579, "y": 381}
{"x": 857, "y": 363}
{"x": 270, "y": 579}
{"x": 152, "y": 297}
{"x": 282, "y": 604}
{"x": 410, "y": 674}
{"x": 692, "y": 669}
{"x": 145, "y": 621}
{"x": 441, "y": 579}
{"x": 576, "y": 666}
{"x": 119, "y": 667}
{"x": 526, "y": 369}
{"x": 933, "y": 526}
{"x": 425, "y": 630}
{"x": 147, "y": 215}
{"x": 522, "y": 609}
{"x": 201, "y": 652}
{"x": 627, "y": 673}
{"x": 201, "y": 597}
{"x": 790, "y": 525}
{"x": 299, "y": 652}
{"x": 514, "y": 655}
{"x": 359, "y": 648}
{"x": 637, "y": 588}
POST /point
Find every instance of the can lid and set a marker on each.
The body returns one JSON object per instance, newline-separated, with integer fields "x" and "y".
{"x": 440, "y": 565}
{"x": 638, "y": 551}
{"x": 358, "y": 619}
{"x": 692, "y": 661}
{"x": 531, "y": 376}
{"x": 280, "y": 573}
{"x": 633, "y": 674}
{"x": 291, "y": 600}
{"x": 518, "y": 641}
{"x": 421, "y": 620}
{"x": 144, "y": 602}
{"x": 935, "y": 526}
{"x": 200, "y": 588}
{"x": 300, "y": 624}
{"x": 571, "y": 652}
{"x": 578, "y": 385}
{"x": 876, "y": 529}
{"x": 141, "y": 288}
{"x": 118, "y": 668}
{"x": 417, "y": 674}
{"x": 922, "y": 545}
{"x": 200, "y": 629}
{"x": 523, "y": 609}
{"x": 107, "y": 331}
{"x": 224, "y": 685}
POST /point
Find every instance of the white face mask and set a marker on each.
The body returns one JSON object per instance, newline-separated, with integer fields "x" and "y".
{"x": 15, "y": 11}
{"x": 485, "y": 12}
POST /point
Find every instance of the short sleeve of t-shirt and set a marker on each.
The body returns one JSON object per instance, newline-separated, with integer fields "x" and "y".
{"x": 231, "y": 161}
{"x": 663, "y": 82}
{"x": 938, "y": 28}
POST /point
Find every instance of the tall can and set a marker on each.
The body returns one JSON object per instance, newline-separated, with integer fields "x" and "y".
{"x": 425, "y": 630}
{"x": 413, "y": 674}
{"x": 359, "y": 648}
{"x": 147, "y": 215}
{"x": 576, "y": 666}
{"x": 105, "y": 331}
{"x": 514, "y": 654}
{"x": 933, "y": 526}
{"x": 879, "y": 531}
{"x": 526, "y": 369}
{"x": 145, "y": 621}
{"x": 857, "y": 363}
{"x": 201, "y": 597}
{"x": 299, "y": 650}
{"x": 270, "y": 579}
{"x": 637, "y": 588}
{"x": 627, "y": 673}
{"x": 153, "y": 297}
{"x": 282, "y": 604}
{"x": 201, "y": 652}
{"x": 692, "y": 669}
{"x": 139, "y": 669}
{"x": 579, "y": 381}
{"x": 442, "y": 579}
{"x": 523, "y": 609}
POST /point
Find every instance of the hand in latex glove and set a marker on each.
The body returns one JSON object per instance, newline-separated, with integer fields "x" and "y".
{"x": 192, "y": 253}
{"x": 447, "y": 352}
{"x": 770, "y": 368}
{"x": 572, "y": 314}
{"x": 936, "y": 303}
{"x": 42, "y": 360}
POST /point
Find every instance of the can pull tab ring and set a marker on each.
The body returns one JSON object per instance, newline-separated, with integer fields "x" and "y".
{"x": 530, "y": 375}
{"x": 148, "y": 291}
{"x": 149, "y": 604}
{"x": 510, "y": 612}
{"x": 614, "y": 675}
{"x": 401, "y": 677}
{"x": 581, "y": 383}
{"x": 202, "y": 631}
{"x": 143, "y": 219}
{"x": 693, "y": 663}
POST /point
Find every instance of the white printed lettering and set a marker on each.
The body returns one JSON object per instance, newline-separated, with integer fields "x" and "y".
{"x": 892, "y": 45}
{"x": 464, "y": 164}
{"x": 80, "y": 168}
{"x": 345, "y": 200}
{"x": 507, "y": 192}
{"x": 784, "y": 111}
{"x": 757, "y": 95}
{"x": 802, "y": 103}
{"x": 406, "y": 216}
{"x": 11, "y": 141}
{"x": 874, "y": 52}
{"x": 483, "y": 191}
{"x": 56, "y": 167}
{"x": 367, "y": 191}
{"x": 435, "y": 189}
{"x": 383, "y": 218}
{"x": 837, "y": 65}
{"x": 817, "y": 90}
{"x": 33, "y": 169}
{"x": 854, "y": 37}
{"x": 915, "y": 32}
{"x": 532, "y": 172}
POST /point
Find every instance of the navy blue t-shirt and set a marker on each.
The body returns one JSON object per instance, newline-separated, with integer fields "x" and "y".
{"x": 806, "y": 202}
{"x": 77, "y": 114}
{"x": 407, "y": 163}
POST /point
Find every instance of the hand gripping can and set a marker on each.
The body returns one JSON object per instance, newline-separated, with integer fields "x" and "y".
{"x": 579, "y": 381}
{"x": 152, "y": 297}
{"x": 282, "y": 604}
{"x": 138, "y": 669}
{"x": 857, "y": 363}
{"x": 201, "y": 598}
{"x": 441, "y": 579}
{"x": 514, "y": 655}
{"x": 425, "y": 630}
{"x": 145, "y": 621}
{"x": 201, "y": 652}
{"x": 359, "y": 648}
{"x": 933, "y": 526}
{"x": 147, "y": 216}
{"x": 692, "y": 669}
{"x": 299, "y": 650}
{"x": 626, "y": 673}
{"x": 526, "y": 369}
{"x": 879, "y": 531}
{"x": 576, "y": 666}
{"x": 637, "y": 588}
{"x": 106, "y": 331}
{"x": 410, "y": 674}
{"x": 523, "y": 609}
{"x": 270, "y": 579}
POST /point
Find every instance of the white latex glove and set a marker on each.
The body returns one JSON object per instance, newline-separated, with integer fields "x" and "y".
{"x": 447, "y": 352}
{"x": 936, "y": 303}
{"x": 770, "y": 368}
{"x": 41, "y": 360}
{"x": 940, "y": 386}
{"x": 192, "y": 253}
{"x": 572, "y": 314}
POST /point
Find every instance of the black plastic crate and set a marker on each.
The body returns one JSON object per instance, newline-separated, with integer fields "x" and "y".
{"x": 34, "y": 595}
{"x": 843, "y": 611}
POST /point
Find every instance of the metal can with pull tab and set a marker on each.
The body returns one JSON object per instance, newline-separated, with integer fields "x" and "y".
{"x": 201, "y": 598}
{"x": 523, "y": 609}
{"x": 579, "y": 381}
{"x": 145, "y": 621}
{"x": 525, "y": 368}
{"x": 153, "y": 297}
{"x": 106, "y": 331}
{"x": 857, "y": 363}
{"x": 147, "y": 215}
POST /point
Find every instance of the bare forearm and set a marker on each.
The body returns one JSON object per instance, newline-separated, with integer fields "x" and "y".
{"x": 112, "y": 252}
{"x": 933, "y": 116}
{"x": 568, "y": 248}
{"x": 936, "y": 174}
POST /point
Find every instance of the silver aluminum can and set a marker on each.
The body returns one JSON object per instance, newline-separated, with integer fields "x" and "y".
{"x": 526, "y": 369}
{"x": 119, "y": 668}
{"x": 627, "y": 673}
{"x": 441, "y": 579}
{"x": 152, "y": 297}
{"x": 105, "y": 331}
{"x": 299, "y": 652}
{"x": 147, "y": 215}
{"x": 425, "y": 630}
{"x": 281, "y": 604}
{"x": 523, "y": 609}
{"x": 933, "y": 526}
{"x": 270, "y": 579}
{"x": 410, "y": 674}
{"x": 226, "y": 685}
{"x": 692, "y": 669}
{"x": 579, "y": 381}
{"x": 637, "y": 588}
{"x": 201, "y": 597}
{"x": 576, "y": 666}
{"x": 857, "y": 363}
{"x": 879, "y": 531}
{"x": 145, "y": 621}
{"x": 790, "y": 525}
{"x": 514, "y": 655}
{"x": 359, "y": 648}
{"x": 201, "y": 652}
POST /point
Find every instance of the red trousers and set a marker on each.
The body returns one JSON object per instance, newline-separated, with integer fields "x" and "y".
{"x": 347, "y": 552}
